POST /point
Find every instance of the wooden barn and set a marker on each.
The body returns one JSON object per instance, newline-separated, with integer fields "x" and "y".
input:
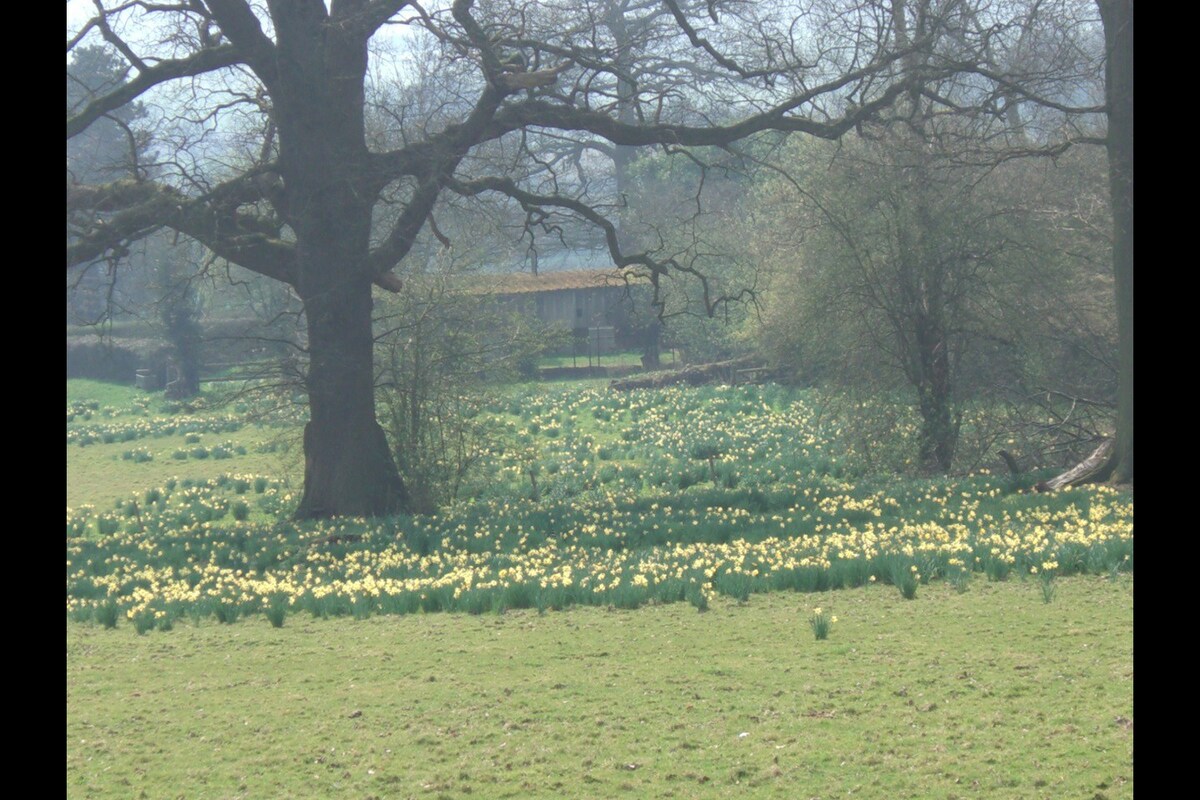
{"x": 598, "y": 303}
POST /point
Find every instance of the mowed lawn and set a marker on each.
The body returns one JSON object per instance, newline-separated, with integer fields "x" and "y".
{"x": 988, "y": 693}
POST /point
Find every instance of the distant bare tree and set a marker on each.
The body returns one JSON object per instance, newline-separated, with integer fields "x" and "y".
{"x": 927, "y": 239}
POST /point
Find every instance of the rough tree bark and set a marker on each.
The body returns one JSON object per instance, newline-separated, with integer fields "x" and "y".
{"x": 1117, "y": 16}
{"x": 923, "y": 277}
{"x": 323, "y": 164}
{"x": 348, "y": 468}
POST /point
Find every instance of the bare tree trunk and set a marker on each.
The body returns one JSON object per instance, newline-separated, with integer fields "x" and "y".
{"x": 939, "y": 427}
{"x": 348, "y": 468}
{"x": 623, "y": 156}
{"x": 924, "y": 278}
{"x": 1117, "y": 16}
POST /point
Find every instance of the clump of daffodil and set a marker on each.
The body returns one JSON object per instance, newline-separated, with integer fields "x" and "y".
{"x": 821, "y": 623}
{"x": 1046, "y": 579}
{"x": 906, "y": 580}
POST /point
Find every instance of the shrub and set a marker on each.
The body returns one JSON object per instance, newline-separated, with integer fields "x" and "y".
{"x": 143, "y": 621}
{"x": 821, "y": 623}
{"x": 227, "y": 612}
{"x": 906, "y": 579}
{"x": 107, "y": 613}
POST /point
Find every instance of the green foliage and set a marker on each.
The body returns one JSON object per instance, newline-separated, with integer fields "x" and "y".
{"x": 821, "y": 623}
{"x": 734, "y": 584}
{"x": 906, "y": 578}
{"x": 107, "y": 524}
{"x": 144, "y": 621}
{"x": 960, "y": 579}
{"x": 107, "y": 613}
{"x": 997, "y": 567}
{"x": 1048, "y": 585}
{"x": 138, "y": 455}
{"x": 227, "y": 611}
{"x": 127, "y": 431}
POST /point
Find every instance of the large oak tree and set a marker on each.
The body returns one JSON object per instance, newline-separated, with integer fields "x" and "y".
{"x": 531, "y": 97}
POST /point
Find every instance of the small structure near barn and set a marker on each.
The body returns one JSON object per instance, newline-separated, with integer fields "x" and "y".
{"x": 146, "y": 380}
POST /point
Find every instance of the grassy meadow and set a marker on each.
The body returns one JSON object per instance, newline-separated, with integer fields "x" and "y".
{"x": 979, "y": 636}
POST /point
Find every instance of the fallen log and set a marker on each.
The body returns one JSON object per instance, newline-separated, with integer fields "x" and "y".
{"x": 696, "y": 375}
{"x": 1083, "y": 472}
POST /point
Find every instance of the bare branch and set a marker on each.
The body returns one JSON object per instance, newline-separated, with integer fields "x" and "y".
{"x": 531, "y": 201}
{"x": 125, "y": 211}
{"x": 78, "y": 37}
{"x": 238, "y": 22}
{"x": 699, "y": 41}
{"x": 101, "y": 21}
{"x": 367, "y": 17}
{"x": 196, "y": 64}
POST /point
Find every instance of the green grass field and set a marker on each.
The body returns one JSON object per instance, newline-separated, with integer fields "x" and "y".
{"x": 1009, "y": 675}
{"x": 98, "y": 473}
{"x": 989, "y": 693}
